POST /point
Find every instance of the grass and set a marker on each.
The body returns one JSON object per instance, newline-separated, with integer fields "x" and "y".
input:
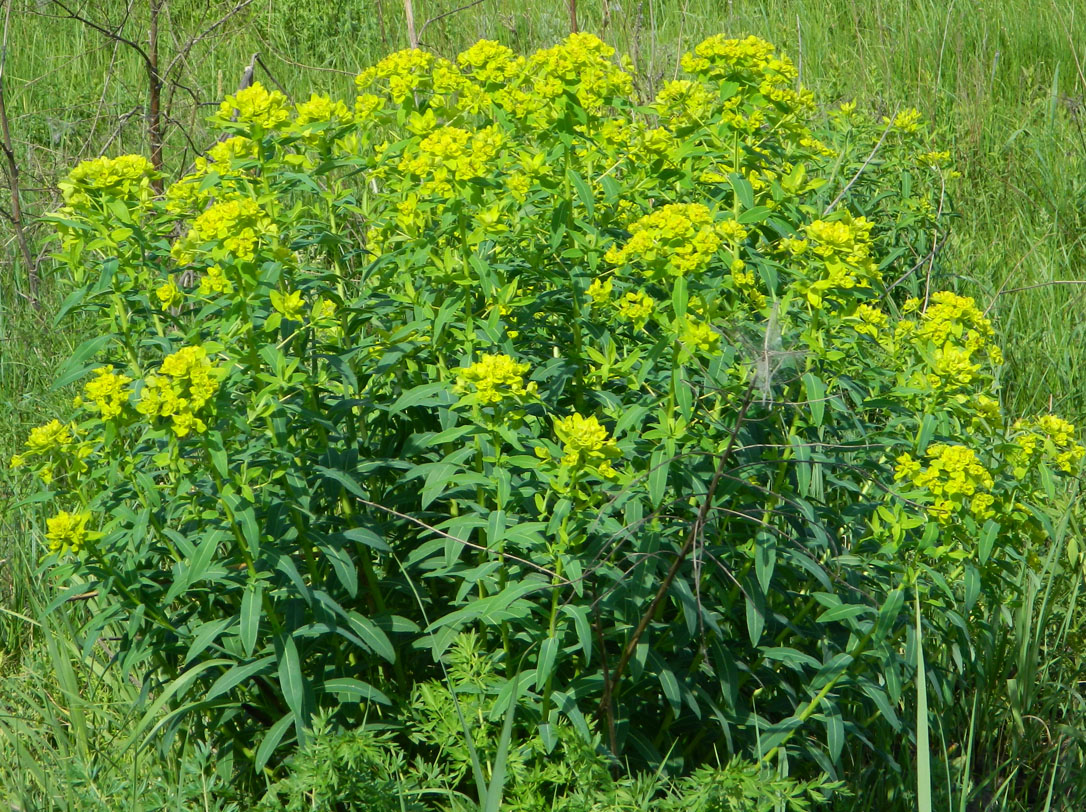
{"x": 1003, "y": 81}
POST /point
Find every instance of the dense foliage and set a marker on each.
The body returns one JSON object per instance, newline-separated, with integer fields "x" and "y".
{"x": 620, "y": 399}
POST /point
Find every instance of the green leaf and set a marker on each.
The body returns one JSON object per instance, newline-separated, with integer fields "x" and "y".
{"x": 548, "y": 651}
{"x": 923, "y": 748}
{"x": 251, "y": 612}
{"x": 271, "y": 741}
{"x": 75, "y": 367}
{"x": 816, "y": 397}
{"x": 579, "y": 614}
{"x": 755, "y": 608}
{"x": 426, "y": 394}
{"x": 344, "y": 567}
{"x": 888, "y": 614}
{"x": 497, "y": 777}
{"x": 205, "y": 636}
{"x": 988, "y": 534}
{"x": 372, "y": 636}
{"x": 659, "y": 463}
{"x": 238, "y": 674}
{"x": 844, "y": 611}
{"x": 680, "y": 297}
{"x": 177, "y": 688}
{"x": 835, "y": 730}
{"x": 765, "y": 558}
{"x": 365, "y": 535}
{"x": 291, "y": 680}
{"x": 744, "y": 192}
{"x": 584, "y": 193}
{"x": 754, "y": 215}
{"x": 354, "y": 690}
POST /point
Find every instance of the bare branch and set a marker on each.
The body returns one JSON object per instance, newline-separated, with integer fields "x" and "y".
{"x": 409, "y": 15}
{"x": 13, "y": 170}
{"x": 425, "y": 25}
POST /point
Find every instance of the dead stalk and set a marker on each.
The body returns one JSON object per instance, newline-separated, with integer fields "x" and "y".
{"x": 16, "y": 214}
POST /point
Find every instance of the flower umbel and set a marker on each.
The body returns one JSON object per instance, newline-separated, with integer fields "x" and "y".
{"x": 66, "y": 531}
{"x": 494, "y": 378}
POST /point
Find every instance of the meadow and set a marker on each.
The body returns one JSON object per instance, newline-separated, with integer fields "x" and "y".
{"x": 1002, "y": 86}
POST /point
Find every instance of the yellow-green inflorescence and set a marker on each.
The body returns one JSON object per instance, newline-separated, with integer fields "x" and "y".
{"x": 1048, "y": 439}
{"x": 678, "y": 239}
{"x": 67, "y": 532}
{"x": 494, "y": 378}
{"x": 586, "y": 444}
{"x": 107, "y": 392}
{"x": 954, "y": 477}
{"x": 185, "y": 382}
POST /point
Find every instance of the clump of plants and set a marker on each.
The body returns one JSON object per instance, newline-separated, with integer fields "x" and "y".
{"x": 653, "y": 399}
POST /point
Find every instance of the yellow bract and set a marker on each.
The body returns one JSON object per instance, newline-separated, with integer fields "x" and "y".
{"x": 585, "y": 443}
{"x": 676, "y": 240}
{"x": 952, "y": 475}
{"x": 186, "y": 381}
{"x": 67, "y": 531}
{"x": 108, "y": 392}
{"x": 290, "y": 305}
{"x": 257, "y": 105}
{"x": 494, "y": 378}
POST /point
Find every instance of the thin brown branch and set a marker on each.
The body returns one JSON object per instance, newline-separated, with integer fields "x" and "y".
{"x": 864, "y": 165}
{"x": 409, "y": 16}
{"x": 428, "y": 23}
{"x": 695, "y": 533}
{"x": 154, "y": 97}
{"x": 559, "y": 580}
{"x": 112, "y": 34}
{"x": 13, "y": 171}
{"x": 184, "y": 51}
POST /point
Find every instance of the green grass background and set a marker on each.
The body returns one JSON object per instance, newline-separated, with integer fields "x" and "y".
{"x": 1003, "y": 82}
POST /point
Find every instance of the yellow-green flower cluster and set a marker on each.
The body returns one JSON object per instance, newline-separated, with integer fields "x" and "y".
{"x": 909, "y": 120}
{"x": 214, "y": 281}
{"x": 753, "y": 62}
{"x": 238, "y": 224}
{"x": 746, "y": 284}
{"x": 321, "y": 110}
{"x": 581, "y": 66}
{"x": 191, "y": 194}
{"x": 452, "y": 154}
{"x": 869, "y": 321}
{"x": 399, "y": 74}
{"x": 843, "y": 251}
{"x": 490, "y": 63}
{"x": 954, "y": 336}
{"x": 600, "y": 292}
{"x": 685, "y": 102}
{"x": 678, "y": 239}
{"x": 67, "y": 531}
{"x": 699, "y": 336}
{"x": 493, "y": 378}
{"x": 169, "y": 295}
{"x": 636, "y": 307}
{"x": 107, "y": 392}
{"x": 290, "y": 306}
{"x": 955, "y": 478}
{"x": 585, "y": 444}
{"x": 256, "y": 105}
{"x": 1046, "y": 438}
{"x": 126, "y": 177}
{"x": 222, "y": 155}
{"x": 185, "y": 382}
{"x": 49, "y": 445}
{"x": 950, "y": 316}
{"x": 849, "y": 239}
